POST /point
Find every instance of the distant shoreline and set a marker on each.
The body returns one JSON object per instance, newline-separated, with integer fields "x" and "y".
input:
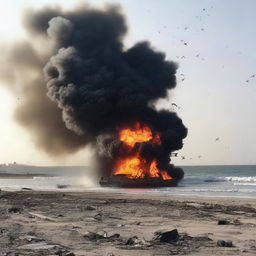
{"x": 20, "y": 176}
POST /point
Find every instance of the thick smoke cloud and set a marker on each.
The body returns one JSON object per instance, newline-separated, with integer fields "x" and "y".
{"x": 94, "y": 84}
{"x": 21, "y": 70}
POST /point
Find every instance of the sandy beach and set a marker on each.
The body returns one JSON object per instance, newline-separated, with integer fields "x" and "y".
{"x": 116, "y": 224}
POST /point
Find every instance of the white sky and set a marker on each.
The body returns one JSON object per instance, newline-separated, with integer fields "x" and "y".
{"x": 215, "y": 100}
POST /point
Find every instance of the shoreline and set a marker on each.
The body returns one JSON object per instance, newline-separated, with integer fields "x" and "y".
{"x": 21, "y": 176}
{"x": 123, "y": 191}
{"x": 100, "y": 223}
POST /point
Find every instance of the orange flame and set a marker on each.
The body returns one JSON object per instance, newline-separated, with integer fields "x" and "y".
{"x": 138, "y": 133}
{"x": 135, "y": 166}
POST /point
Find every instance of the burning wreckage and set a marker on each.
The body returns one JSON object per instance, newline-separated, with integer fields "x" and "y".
{"x": 133, "y": 170}
{"x": 105, "y": 95}
{"x": 123, "y": 181}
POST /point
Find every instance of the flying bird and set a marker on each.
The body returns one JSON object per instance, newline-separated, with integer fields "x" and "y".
{"x": 183, "y": 158}
{"x": 217, "y": 139}
{"x": 175, "y": 105}
{"x": 182, "y": 77}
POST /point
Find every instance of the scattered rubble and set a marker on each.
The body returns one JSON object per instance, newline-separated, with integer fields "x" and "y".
{"x": 135, "y": 241}
{"x": 223, "y": 222}
{"x": 15, "y": 209}
{"x": 223, "y": 243}
{"x": 101, "y": 236}
{"x": 167, "y": 237}
{"x": 38, "y": 246}
{"x": 64, "y": 252}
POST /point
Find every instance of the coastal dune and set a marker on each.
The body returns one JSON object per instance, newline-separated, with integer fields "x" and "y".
{"x": 115, "y": 224}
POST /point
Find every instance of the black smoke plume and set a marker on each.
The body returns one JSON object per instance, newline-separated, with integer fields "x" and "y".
{"x": 97, "y": 85}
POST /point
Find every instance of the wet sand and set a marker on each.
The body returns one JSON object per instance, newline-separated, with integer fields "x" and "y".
{"x": 101, "y": 223}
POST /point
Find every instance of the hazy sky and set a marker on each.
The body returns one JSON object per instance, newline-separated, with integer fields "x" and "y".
{"x": 215, "y": 100}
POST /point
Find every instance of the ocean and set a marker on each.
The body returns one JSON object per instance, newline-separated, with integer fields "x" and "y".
{"x": 218, "y": 180}
{"x": 209, "y": 181}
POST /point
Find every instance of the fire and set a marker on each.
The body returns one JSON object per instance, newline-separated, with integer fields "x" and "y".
{"x": 138, "y": 133}
{"x": 135, "y": 166}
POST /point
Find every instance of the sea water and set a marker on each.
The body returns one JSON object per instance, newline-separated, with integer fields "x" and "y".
{"x": 218, "y": 180}
{"x": 215, "y": 180}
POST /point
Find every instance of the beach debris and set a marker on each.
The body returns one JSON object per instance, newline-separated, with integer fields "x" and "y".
{"x": 236, "y": 222}
{"x": 135, "y": 241}
{"x": 167, "y": 237}
{"x": 86, "y": 208}
{"x": 41, "y": 216}
{"x": 183, "y": 158}
{"x": 15, "y": 209}
{"x": 90, "y": 208}
{"x": 28, "y": 189}
{"x": 227, "y": 222}
{"x": 64, "y": 252}
{"x": 223, "y": 222}
{"x": 98, "y": 217}
{"x": 253, "y": 247}
{"x": 31, "y": 239}
{"x": 223, "y": 243}
{"x": 103, "y": 235}
{"x": 62, "y": 186}
{"x": 121, "y": 225}
{"x": 70, "y": 254}
{"x": 38, "y": 246}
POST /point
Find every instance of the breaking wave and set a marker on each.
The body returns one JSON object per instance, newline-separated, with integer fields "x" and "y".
{"x": 241, "y": 179}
